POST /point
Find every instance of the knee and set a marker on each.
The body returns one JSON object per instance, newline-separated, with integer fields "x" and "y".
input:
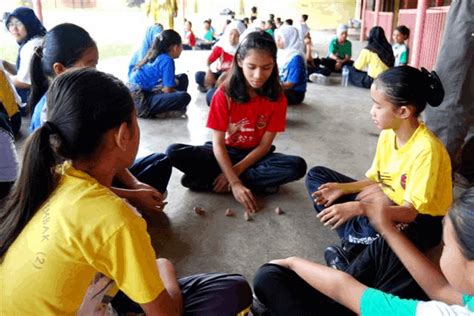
{"x": 184, "y": 99}
{"x": 242, "y": 290}
{"x": 172, "y": 152}
{"x": 300, "y": 167}
{"x": 316, "y": 172}
{"x": 265, "y": 279}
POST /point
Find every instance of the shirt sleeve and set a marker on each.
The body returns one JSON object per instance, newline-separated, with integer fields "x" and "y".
{"x": 332, "y": 48}
{"x": 219, "y": 112}
{"x": 129, "y": 259}
{"x": 362, "y": 61}
{"x": 277, "y": 122}
{"x": 349, "y": 48}
{"x": 215, "y": 54}
{"x": 404, "y": 57}
{"x": 375, "y": 302}
{"x": 168, "y": 74}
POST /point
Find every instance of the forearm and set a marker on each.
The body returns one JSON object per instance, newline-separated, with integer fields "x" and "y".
{"x": 355, "y": 187}
{"x": 255, "y": 155}
{"x": 19, "y": 84}
{"x": 169, "y": 278}
{"x": 9, "y": 67}
{"x": 126, "y": 178}
{"x": 402, "y": 214}
{"x": 425, "y": 273}
{"x": 335, "y": 284}
{"x": 224, "y": 162}
{"x": 124, "y": 194}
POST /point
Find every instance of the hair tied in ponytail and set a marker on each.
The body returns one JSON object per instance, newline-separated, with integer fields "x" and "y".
{"x": 39, "y": 51}
{"x": 50, "y": 128}
{"x": 434, "y": 88}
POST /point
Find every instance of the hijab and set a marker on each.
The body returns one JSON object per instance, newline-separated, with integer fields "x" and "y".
{"x": 378, "y": 44}
{"x": 292, "y": 48}
{"x": 224, "y": 41}
{"x": 151, "y": 33}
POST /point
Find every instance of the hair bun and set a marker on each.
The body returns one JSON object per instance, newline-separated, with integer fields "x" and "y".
{"x": 434, "y": 88}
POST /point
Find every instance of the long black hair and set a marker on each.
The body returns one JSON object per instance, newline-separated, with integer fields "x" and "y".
{"x": 83, "y": 105}
{"x": 405, "y": 85}
{"x": 161, "y": 45}
{"x": 64, "y": 44}
{"x": 462, "y": 217}
{"x": 378, "y": 44}
{"x": 236, "y": 85}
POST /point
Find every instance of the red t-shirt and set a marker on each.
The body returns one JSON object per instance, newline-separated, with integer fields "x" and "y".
{"x": 191, "y": 39}
{"x": 224, "y": 58}
{"x": 245, "y": 124}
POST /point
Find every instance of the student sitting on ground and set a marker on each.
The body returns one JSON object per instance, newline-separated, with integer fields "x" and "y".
{"x": 63, "y": 219}
{"x": 339, "y": 52}
{"x": 189, "y": 40}
{"x": 150, "y": 35}
{"x": 374, "y": 59}
{"x": 400, "y": 49}
{"x": 156, "y": 90}
{"x": 411, "y": 167}
{"x": 291, "y": 64}
{"x": 223, "y": 53}
{"x": 246, "y": 114}
{"x": 295, "y": 286}
{"x": 207, "y": 39}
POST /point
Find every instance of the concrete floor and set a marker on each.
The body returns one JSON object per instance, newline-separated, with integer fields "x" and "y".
{"x": 331, "y": 128}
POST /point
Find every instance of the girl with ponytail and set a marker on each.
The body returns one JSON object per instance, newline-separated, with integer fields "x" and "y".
{"x": 62, "y": 224}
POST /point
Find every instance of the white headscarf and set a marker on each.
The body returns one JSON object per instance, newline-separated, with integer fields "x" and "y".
{"x": 293, "y": 45}
{"x": 341, "y": 29}
{"x": 224, "y": 41}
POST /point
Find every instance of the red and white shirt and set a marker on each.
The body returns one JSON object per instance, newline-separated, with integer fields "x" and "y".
{"x": 245, "y": 124}
{"x": 225, "y": 59}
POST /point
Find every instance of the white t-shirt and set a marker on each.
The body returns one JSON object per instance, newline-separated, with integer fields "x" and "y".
{"x": 303, "y": 29}
{"x": 26, "y": 52}
{"x": 433, "y": 308}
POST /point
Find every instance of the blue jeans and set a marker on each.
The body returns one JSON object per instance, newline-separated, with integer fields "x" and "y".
{"x": 149, "y": 103}
{"x": 357, "y": 230}
{"x": 154, "y": 170}
{"x": 199, "y": 164}
{"x": 209, "y": 95}
{"x": 200, "y": 75}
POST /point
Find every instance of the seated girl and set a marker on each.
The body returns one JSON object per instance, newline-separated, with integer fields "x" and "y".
{"x": 223, "y": 52}
{"x": 189, "y": 41}
{"x": 246, "y": 114}
{"x": 339, "y": 52}
{"x": 295, "y": 286}
{"x": 69, "y": 46}
{"x": 374, "y": 59}
{"x": 62, "y": 225}
{"x": 291, "y": 64}
{"x": 411, "y": 167}
{"x": 154, "y": 86}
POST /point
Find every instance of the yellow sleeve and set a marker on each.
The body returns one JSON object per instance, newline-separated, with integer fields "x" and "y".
{"x": 422, "y": 181}
{"x": 362, "y": 61}
{"x": 129, "y": 259}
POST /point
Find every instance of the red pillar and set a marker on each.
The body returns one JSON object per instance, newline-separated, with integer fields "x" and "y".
{"x": 362, "y": 23}
{"x": 377, "y": 11}
{"x": 419, "y": 27}
{"x": 38, "y": 9}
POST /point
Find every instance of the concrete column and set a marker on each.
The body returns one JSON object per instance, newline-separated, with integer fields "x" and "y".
{"x": 38, "y": 9}
{"x": 419, "y": 27}
{"x": 362, "y": 22}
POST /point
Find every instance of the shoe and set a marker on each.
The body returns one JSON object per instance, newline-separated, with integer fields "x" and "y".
{"x": 258, "y": 309}
{"x": 319, "y": 78}
{"x": 202, "y": 89}
{"x": 171, "y": 114}
{"x": 336, "y": 258}
{"x": 193, "y": 184}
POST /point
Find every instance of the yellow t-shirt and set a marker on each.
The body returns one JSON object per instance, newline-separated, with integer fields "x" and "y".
{"x": 8, "y": 96}
{"x": 370, "y": 61}
{"x": 418, "y": 173}
{"x": 82, "y": 229}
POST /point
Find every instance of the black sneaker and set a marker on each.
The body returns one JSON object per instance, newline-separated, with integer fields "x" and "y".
{"x": 336, "y": 258}
{"x": 193, "y": 183}
{"x": 258, "y": 309}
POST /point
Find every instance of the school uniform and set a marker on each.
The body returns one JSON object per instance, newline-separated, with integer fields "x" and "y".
{"x": 339, "y": 50}
{"x": 400, "y": 52}
{"x": 366, "y": 69}
{"x": 146, "y": 85}
{"x": 245, "y": 125}
{"x": 295, "y": 72}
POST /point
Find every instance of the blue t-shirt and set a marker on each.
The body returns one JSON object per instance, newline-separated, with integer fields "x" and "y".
{"x": 295, "y": 72}
{"x": 159, "y": 72}
{"x": 36, "y": 120}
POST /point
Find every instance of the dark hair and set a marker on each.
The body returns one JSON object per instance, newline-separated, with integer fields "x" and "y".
{"x": 305, "y": 17}
{"x": 245, "y": 20}
{"x": 253, "y": 9}
{"x": 161, "y": 45}
{"x": 405, "y": 85}
{"x": 253, "y": 18}
{"x": 236, "y": 85}
{"x": 462, "y": 217}
{"x": 190, "y": 23}
{"x": 64, "y": 44}
{"x": 403, "y": 30}
{"x": 83, "y": 105}
{"x": 271, "y": 16}
{"x": 32, "y": 24}
{"x": 377, "y": 43}
{"x": 289, "y": 21}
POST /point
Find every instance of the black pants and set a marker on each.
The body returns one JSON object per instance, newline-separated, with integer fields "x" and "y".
{"x": 283, "y": 292}
{"x": 203, "y": 294}
{"x": 360, "y": 78}
{"x": 199, "y": 163}
{"x": 154, "y": 170}
{"x": 294, "y": 97}
{"x": 5, "y": 127}
{"x": 330, "y": 64}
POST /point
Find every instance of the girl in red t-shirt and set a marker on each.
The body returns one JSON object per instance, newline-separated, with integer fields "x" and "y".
{"x": 246, "y": 113}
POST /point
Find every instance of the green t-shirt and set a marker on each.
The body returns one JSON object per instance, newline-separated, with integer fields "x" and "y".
{"x": 375, "y": 302}
{"x": 340, "y": 50}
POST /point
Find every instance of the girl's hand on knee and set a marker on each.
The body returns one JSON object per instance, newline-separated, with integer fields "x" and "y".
{"x": 338, "y": 214}
{"x": 221, "y": 184}
{"x": 328, "y": 193}
{"x": 245, "y": 197}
